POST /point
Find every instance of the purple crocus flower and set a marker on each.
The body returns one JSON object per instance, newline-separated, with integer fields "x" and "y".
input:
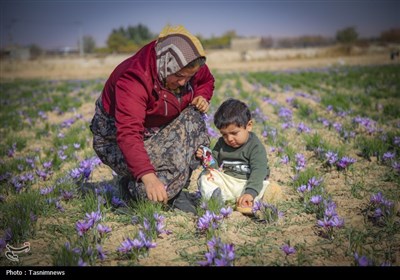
{"x": 42, "y": 174}
{"x": 376, "y": 198}
{"x": 331, "y": 157}
{"x": 337, "y": 222}
{"x": 302, "y": 189}
{"x": 285, "y": 159}
{"x": 75, "y": 173}
{"x": 324, "y": 223}
{"x": 225, "y": 212}
{"x": 228, "y": 252}
{"x": 388, "y": 156}
{"x": 362, "y": 261}
{"x": 300, "y": 162}
{"x": 42, "y": 115}
{"x": 66, "y": 195}
{"x": 264, "y": 133}
{"x": 288, "y": 250}
{"x": 32, "y": 216}
{"x": 12, "y": 151}
{"x": 81, "y": 262}
{"x": 60, "y": 135}
{"x": 378, "y": 213}
{"x": 147, "y": 243}
{"x": 103, "y": 229}
{"x": 47, "y": 164}
{"x": 221, "y": 262}
{"x": 100, "y": 253}
{"x": 303, "y": 128}
{"x": 61, "y": 155}
{"x": 257, "y": 206}
{"x": 146, "y": 224}
{"x": 396, "y": 166}
{"x": 82, "y": 227}
{"x": 59, "y": 206}
{"x": 285, "y": 113}
{"x": 325, "y": 122}
{"x": 316, "y": 199}
{"x": 396, "y": 140}
{"x": 314, "y": 182}
{"x": 8, "y": 234}
{"x": 93, "y": 217}
{"x": 117, "y": 202}
{"x": 337, "y": 126}
{"x": 209, "y": 259}
{"x": 46, "y": 191}
{"x": 345, "y": 162}
{"x": 204, "y": 221}
{"x": 137, "y": 244}
{"x": 286, "y": 125}
{"x": 126, "y": 246}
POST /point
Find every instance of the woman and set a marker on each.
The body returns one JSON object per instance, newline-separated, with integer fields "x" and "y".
{"x": 148, "y": 121}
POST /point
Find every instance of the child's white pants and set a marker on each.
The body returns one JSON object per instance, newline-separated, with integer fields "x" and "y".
{"x": 231, "y": 187}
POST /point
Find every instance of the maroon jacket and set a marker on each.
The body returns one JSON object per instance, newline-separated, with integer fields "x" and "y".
{"x": 137, "y": 99}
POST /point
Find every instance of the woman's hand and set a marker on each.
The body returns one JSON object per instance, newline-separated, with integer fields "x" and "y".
{"x": 200, "y": 103}
{"x": 155, "y": 189}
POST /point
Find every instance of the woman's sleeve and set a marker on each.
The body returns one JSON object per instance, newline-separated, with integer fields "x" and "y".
{"x": 203, "y": 83}
{"x": 130, "y": 112}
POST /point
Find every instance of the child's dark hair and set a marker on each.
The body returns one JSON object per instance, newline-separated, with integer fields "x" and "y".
{"x": 232, "y": 111}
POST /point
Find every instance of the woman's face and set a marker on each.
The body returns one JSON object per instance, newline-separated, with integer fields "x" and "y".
{"x": 180, "y": 78}
{"x": 236, "y": 136}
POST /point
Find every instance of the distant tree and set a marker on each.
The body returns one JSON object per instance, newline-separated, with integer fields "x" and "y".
{"x": 35, "y": 51}
{"x": 89, "y": 44}
{"x": 391, "y": 35}
{"x": 116, "y": 40}
{"x": 219, "y": 42}
{"x": 129, "y": 39}
{"x": 347, "y": 35}
{"x": 139, "y": 34}
{"x": 312, "y": 41}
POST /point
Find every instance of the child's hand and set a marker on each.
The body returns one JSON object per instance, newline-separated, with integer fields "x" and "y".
{"x": 199, "y": 153}
{"x": 245, "y": 201}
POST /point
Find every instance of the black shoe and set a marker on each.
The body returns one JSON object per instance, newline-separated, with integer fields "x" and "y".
{"x": 217, "y": 196}
{"x": 186, "y": 202}
{"x": 123, "y": 186}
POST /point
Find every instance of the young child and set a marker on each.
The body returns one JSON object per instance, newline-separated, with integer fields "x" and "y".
{"x": 238, "y": 169}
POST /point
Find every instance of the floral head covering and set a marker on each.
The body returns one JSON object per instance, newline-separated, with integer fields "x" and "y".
{"x": 175, "y": 48}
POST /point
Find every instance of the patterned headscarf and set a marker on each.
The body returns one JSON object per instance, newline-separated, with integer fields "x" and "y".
{"x": 175, "y": 48}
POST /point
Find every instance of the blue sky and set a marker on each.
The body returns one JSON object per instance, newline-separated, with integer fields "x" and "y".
{"x": 58, "y": 23}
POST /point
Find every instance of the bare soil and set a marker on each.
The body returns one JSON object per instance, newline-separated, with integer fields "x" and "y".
{"x": 297, "y": 228}
{"x": 91, "y": 67}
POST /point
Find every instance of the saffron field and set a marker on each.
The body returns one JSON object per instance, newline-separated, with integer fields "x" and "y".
{"x": 333, "y": 142}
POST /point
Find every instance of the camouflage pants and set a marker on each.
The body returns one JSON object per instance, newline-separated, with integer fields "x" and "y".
{"x": 171, "y": 150}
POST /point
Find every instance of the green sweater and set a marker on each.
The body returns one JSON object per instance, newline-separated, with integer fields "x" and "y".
{"x": 248, "y": 162}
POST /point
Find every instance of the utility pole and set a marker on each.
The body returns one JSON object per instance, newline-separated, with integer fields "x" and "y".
{"x": 80, "y": 38}
{"x": 10, "y": 35}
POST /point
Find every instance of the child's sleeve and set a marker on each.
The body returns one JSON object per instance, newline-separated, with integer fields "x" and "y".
{"x": 215, "y": 154}
{"x": 259, "y": 170}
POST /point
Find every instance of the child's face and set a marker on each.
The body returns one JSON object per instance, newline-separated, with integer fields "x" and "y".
{"x": 235, "y": 136}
